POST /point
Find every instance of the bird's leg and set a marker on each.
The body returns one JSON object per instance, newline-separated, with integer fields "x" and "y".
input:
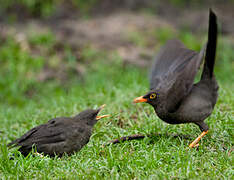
{"x": 194, "y": 143}
{"x": 204, "y": 128}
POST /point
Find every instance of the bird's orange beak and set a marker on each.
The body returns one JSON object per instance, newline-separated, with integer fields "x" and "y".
{"x": 140, "y": 99}
{"x": 102, "y": 116}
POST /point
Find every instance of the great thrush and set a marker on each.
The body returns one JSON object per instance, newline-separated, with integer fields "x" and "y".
{"x": 59, "y": 135}
{"x": 173, "y": 94}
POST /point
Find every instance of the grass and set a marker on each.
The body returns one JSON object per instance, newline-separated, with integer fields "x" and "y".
{"x": 42, "y": 9}
{"x": 108, "y": 81}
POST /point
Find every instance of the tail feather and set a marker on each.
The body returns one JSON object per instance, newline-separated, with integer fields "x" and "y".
{"x": 211, "y": 47}
{"x": 13, "y": 143}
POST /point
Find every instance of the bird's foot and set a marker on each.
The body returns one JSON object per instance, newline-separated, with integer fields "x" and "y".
{"x": 195, "y": 142}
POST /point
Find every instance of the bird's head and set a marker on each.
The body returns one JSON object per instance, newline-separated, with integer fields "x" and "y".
{"x": 90, "y": 116}
{"x": 151, "y": 98}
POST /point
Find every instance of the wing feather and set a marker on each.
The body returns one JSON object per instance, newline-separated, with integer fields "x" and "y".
{"x": 174, "y": 71}
{"x": 51, "y": 132}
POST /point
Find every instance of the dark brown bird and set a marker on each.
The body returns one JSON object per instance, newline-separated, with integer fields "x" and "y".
{"x": 173, "y": 94}
{"x": 59, "y": 135}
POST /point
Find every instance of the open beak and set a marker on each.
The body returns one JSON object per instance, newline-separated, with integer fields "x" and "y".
{"x": 140, "y": 99}
{"x": 102, "y": 116}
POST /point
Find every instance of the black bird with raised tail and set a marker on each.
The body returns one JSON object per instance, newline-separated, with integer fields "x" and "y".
{"x": 59, "y": 135}
{"x": 173, "y": 94}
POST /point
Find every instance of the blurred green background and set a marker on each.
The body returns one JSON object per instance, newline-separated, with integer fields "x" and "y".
{"x": 49, "y": 42}
{"x": 59, "y": 57}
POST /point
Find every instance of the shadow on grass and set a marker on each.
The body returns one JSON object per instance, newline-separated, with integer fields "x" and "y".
{"x": 152, "y": 136}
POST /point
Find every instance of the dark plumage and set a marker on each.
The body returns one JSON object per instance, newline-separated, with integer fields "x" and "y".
{"x": 59, "y": 135}
{"x": 173, "y": 94}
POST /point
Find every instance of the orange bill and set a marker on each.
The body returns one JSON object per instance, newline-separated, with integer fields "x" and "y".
{"x": 102, "y": 106}
{"x": 102, "y": 116}
{"x": 140, "y": 99}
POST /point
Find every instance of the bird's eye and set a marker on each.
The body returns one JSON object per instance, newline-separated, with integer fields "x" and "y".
{"x": 153, "y": 96}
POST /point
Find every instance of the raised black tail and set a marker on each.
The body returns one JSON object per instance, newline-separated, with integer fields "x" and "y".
{"x": 211, "y": 47}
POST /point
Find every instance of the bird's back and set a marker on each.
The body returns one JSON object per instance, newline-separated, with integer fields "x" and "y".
{"x": 58, "y": 136}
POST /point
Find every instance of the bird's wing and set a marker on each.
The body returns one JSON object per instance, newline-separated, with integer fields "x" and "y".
{"x": 166, "y": 57}
{"x": 174, "y": 71}
{"x": 51, "y": 132}
{"x": 24, "y": 137}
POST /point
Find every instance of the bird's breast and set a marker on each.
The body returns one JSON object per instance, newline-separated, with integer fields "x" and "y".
{"x": 170, "y": 118}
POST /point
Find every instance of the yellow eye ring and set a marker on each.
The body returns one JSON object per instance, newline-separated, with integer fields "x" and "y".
{"x": 153, "y": 96}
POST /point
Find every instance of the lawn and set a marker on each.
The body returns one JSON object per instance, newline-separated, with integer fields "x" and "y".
{"x": 25, "y": 103}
